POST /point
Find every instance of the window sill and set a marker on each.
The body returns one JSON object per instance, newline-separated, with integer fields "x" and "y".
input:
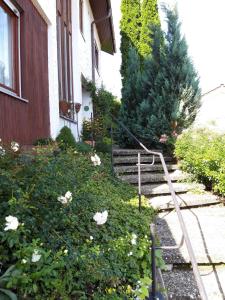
{"x": 68, "y": 119}
{"x": 13, "y": 95}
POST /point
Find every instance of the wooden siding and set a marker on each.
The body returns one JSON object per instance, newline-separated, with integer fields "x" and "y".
{"x": 21, "y": 121}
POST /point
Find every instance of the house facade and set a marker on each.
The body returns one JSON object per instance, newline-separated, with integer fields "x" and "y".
{"x": 47, "y": 50}
{"x": 212, "y": 111}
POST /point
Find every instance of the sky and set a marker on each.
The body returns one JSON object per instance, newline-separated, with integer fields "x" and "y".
{"x": 203, "y": 25}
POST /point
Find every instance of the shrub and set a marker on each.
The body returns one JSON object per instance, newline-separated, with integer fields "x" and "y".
{"x": 58, "y": 251}
{"x": 66, "y": 138}
{"x": 43, "y": 141}
{"x": 202, "y": 153}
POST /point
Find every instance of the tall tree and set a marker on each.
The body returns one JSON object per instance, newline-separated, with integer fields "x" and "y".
{"x": 130, "y": 27}
{"x": 149, "y": 18}
{"x": 131, "y": 96}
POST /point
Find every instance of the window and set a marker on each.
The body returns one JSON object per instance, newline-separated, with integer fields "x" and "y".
{"x": 9, "y": 47}
{"x": 96, "y": 57}
{"x": 64, "y": 38}
{"x": 81, "y": 4}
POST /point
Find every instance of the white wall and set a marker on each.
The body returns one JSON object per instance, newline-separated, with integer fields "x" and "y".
{"x": 82, "y": 61}
{"x": 212, "y": 112}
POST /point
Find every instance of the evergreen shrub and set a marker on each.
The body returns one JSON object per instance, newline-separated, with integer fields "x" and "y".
{"x": 201, "y": 152}
{"x": 66, "y": 138}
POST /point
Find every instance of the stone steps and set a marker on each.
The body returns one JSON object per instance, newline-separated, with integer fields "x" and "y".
{"x": 123, "y": 169}
{"x": 126, "y": 160}
{"x": 121, "y": 152}
{"x": 163, "y": 188}
{"x": 185, "y": 200}
{"x": 155, "y": 177}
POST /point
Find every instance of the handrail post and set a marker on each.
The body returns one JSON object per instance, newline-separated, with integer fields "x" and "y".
{"x": 152, "y": 234}
{"x": 139, "y": 180}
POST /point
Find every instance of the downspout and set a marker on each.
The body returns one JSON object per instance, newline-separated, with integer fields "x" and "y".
{"x": 93, "y": 41}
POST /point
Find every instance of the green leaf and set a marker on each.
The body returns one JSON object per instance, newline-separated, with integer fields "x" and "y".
{"x": 8, "y": 293}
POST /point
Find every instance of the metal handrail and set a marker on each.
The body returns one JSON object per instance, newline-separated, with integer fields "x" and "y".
{"x": 194, "y": 264}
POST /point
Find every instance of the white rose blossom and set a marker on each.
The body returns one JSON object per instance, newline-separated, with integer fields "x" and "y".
{"x": 66, "y": 199}
{"x": 130, "y": 253}
{"x": 36, "y": 256}
{"x": 65, "y": 251}
{"x": 12, "y": 223}
{"x": 101, "y": 218}
{"x": 15, "y": 146}
{"x": 91, "y": 237}
{"x": 24, "y": 261}
{"x": 96, "y": 160}
{"x": 134, "y": 239}
{"x": 2, "y": 151}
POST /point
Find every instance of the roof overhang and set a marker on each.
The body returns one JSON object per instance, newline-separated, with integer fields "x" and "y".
{"x": 101, "y": 9}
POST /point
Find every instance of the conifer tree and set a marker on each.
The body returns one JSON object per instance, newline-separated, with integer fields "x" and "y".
{"x": 129, "y": 29}
{"x": 171, "y": 88}
{"x": 131, "y": 96}
{"x": 149, "y": 18}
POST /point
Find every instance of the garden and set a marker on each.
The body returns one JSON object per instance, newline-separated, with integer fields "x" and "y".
{"x": 68, "y": 228}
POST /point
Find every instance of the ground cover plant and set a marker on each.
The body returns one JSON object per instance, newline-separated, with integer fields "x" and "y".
{"x": 201, "y": 152}
{"x": 69, "y": 229}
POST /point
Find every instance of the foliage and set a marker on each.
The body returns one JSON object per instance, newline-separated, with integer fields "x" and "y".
{"x": 105, "y": 106}
{"x": 66, "y": 138}
{"x": 149, "y": 18}
{"x": 131, "y": 96}
{"x": 130, "y": 26}
{"x": 202, "y": 153}
{"x": 166, "y": 93}
{"x": 43, "y": 141}
{"x": 75, "y": 257}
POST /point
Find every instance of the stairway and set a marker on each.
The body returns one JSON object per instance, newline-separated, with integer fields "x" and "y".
{"x": 204, "y": 216}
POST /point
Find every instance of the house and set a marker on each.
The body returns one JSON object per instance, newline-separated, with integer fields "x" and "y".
{"x": 212, "y": 111}
{"x": 47, "y": 49}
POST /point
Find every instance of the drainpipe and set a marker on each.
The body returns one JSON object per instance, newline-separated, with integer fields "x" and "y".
{"x": 93, "y": 41}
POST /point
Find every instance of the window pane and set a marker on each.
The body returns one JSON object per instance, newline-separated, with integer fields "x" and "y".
{"x": 6, "y": 48}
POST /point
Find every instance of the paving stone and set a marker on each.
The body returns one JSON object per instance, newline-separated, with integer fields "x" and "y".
{"x": 206, "y": 229}
{"x": 163, "y": 188}
{"x": 185, "y": 200}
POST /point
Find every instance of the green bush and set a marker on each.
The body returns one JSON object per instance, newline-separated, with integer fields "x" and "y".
{"x": 58, "y": 251}
{"x": 66, "y": 138}
{"x": 202, "y": 153}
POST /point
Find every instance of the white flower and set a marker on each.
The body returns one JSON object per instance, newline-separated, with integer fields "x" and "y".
{"x": 134, "y": 239}
{"x": 24, "y": 261}
{"x": 91, "y": 237}
{"x": 12, "y": 223}
{"x": 130, "y": 253}
{"x": 101, "y": 218}
{"x": 65, "y": 251}
{"x": 36, "y": 256}
{"x": 68, "y": 196}
{"x": 65, "y": 199}
{"x": 2, "y": 151}
{"x": 15, "y": 146}
{"x": 96, "y": 160}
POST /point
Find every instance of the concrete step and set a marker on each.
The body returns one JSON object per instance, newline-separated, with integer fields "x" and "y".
{"x": 118, "y": 160}
{"x": 185, "y": 200}
{"x": 120, "y": 152}
{"x": 180, "y": 282}
{"x": 134, "y": 169}
{"x": 163, "y": 188}
{"x": 206, "y": 229}
{"x": 155, "y": 177}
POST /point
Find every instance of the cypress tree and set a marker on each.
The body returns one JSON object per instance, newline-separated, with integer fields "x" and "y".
{"x": 131, "y": 96}
{"x": 149, "y": 18}
{"x": 129, "y": 29}
{"x": 171, "y": 88}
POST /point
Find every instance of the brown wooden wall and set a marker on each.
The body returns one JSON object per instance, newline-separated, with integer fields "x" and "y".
{"x": 20, "y": 121}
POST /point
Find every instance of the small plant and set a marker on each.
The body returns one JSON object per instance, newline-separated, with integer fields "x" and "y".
{"x": 43, "y": 141}
{"x": 66, "y": 139}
